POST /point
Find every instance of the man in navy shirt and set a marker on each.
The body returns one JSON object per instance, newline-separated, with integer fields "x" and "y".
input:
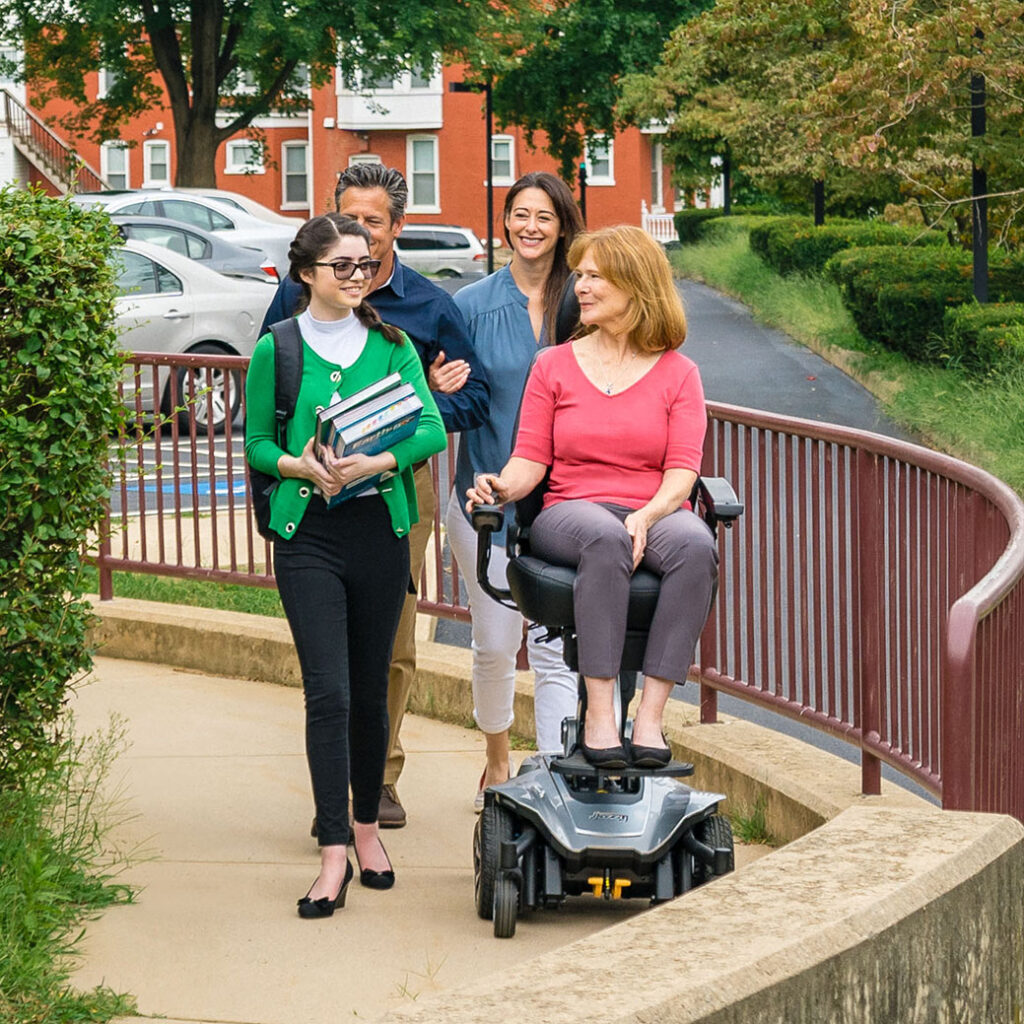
{"x": 376, "y": 197}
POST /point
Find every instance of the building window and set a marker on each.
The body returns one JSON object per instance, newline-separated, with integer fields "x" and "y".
{"x": 503, "y": 164}
{"x": 107, "y": 79}
{"x": 421, "y": 164}
{"x": 244, "y": 157}
{"x": 156, "y": 164}
{"x": 10, "y": 64}
{"x": 420, "y": 78}
{"x": 599, "y": 158}
{"x": 114, "y": 165}
{"x": 381, "y": 83}
{"x": 296, "y": 177}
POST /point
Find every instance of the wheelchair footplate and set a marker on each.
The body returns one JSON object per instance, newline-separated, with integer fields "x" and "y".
{"x": 576, "y": 765}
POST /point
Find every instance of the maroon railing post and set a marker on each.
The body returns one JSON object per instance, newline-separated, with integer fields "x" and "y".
{"x": 708, "y": 704}
{"x": 105, "y": 572}
{"x": 868, "y": 496}
{"x": 958, "y": 709}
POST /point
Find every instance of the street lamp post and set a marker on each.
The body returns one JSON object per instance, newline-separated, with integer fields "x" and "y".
{"x": 485, "y": 88}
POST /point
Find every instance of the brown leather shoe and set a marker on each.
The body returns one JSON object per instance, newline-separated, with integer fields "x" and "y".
{"x": 390, "y": 813}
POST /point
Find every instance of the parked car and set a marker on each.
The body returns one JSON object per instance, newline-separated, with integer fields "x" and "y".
{"x": 203, "y": 246}
{"x": 208, "y": 214}
{"x": 443, "y": 249}
{"x": 245, "y": 204}
{"x": 168, "y": 304}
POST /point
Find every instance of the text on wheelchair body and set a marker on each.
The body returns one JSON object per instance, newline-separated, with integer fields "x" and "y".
{"x": 608, "y": 816}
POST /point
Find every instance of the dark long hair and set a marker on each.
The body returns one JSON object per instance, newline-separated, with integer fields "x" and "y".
{"x": 310, "y": 246}
{"x": 570, "y": 223}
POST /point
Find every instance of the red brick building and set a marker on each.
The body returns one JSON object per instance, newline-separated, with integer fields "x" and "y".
{"x": 436, "y": 137}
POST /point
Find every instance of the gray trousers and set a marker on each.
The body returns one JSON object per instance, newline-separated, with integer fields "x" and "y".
{"x": 592, "y": 538}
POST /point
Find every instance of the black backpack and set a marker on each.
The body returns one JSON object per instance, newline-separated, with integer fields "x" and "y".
{"x": 287, "y": 377}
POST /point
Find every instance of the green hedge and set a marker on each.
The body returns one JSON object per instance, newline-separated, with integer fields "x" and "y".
{"x": 793, "y": 245}
{"x": 899, "y": 296}
{"x": 984, "y": 338}
{"x": 59, "y": 366}
{"x": 692, "y": 223}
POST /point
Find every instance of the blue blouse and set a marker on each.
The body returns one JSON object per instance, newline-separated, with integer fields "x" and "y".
{"x": 498, "y": 318}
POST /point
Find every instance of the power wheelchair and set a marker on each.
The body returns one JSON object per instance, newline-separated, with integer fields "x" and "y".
{"x": 562, "y": 827}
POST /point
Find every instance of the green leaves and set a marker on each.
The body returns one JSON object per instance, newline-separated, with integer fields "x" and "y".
{"x": 59, "y": 368}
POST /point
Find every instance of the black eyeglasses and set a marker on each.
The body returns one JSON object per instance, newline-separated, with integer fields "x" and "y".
{"x": 344, "y": 269}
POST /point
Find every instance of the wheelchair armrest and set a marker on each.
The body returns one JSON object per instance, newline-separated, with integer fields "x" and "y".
{"x": 721, "y": 505}
{"x": 486, "y": 519}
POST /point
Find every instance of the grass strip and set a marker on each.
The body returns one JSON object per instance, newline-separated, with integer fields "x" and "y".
{"x": 59, "y": 867}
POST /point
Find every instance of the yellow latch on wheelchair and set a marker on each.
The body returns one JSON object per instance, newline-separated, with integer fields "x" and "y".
{"x": 606, "y": 887}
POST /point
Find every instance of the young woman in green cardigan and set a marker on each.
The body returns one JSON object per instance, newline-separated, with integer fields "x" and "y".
{"x": 343, "y": 572}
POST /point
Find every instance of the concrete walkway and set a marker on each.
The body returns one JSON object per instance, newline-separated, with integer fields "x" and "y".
{"x": 216, "y": 780}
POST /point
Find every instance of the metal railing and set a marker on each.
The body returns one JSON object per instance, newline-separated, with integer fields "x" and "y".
{"x": 54, "y": 157}
{"x": 873, "y": 589}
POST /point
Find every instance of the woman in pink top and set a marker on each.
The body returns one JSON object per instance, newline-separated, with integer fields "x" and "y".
{"x": 618, "y": 416}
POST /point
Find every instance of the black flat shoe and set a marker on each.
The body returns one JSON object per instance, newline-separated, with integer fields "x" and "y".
{"x": 375, "y": 879}
{"x": 605, "y": 757}
{"x": 325, "y": 907}
{"x": 651, "y": 757}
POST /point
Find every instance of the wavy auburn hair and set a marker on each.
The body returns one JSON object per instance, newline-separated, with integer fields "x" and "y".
{"x": 631, "y": 260}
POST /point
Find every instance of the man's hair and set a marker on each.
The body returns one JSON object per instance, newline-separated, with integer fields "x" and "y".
{"x": 375, "y": 176}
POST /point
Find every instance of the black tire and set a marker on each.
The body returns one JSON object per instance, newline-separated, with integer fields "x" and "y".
{"x": 214, "y": 403}
{"x": 715, "y": 832}
{"x": 493, "y": 827}
{"x": 506, "y": 908}
{"x": 448, "y": 274}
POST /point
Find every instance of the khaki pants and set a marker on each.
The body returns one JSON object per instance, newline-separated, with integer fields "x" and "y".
{"x": 403, "y": 656}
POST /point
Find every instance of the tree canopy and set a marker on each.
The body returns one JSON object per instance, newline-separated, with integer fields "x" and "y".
{"x": 873, "y": 94}
{"x": 226, "y": 62}
{"x": 563, "y": 78}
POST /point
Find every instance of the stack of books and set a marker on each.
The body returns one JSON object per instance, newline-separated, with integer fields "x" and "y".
{"x": 368, "y": 422}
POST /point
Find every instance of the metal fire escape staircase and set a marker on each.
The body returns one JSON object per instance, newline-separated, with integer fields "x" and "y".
{"x": 46, "y": 151}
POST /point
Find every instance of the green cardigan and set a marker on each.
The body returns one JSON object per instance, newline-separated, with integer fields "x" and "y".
{"x": 320, "y": 381}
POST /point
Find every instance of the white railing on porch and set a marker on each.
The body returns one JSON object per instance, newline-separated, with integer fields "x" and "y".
{"x": 660, "y": 226}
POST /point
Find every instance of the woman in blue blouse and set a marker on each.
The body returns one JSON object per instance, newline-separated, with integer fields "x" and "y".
{"x": 510, "y": 315}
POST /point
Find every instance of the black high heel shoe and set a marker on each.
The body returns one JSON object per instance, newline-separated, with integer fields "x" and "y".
{"x": 375, "y": 879}
{"x": 325, "y": 906}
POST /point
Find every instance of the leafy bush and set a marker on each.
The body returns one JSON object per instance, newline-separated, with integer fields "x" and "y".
{"x": 59, "y": 365}
{"x": 690, "y": 223}
{"x": 795, "y": 246}
{"x": 899, "y": 296}
{"x": 984, "y": 338}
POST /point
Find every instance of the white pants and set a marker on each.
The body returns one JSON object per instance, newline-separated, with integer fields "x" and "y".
{"x": 497, "y": 635}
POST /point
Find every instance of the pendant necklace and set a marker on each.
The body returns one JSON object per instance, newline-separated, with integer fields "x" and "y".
{"x": 607, "y": 389}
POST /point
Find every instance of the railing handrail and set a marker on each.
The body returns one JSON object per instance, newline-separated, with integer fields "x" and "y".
{"x": 874, "y": 589}
{"x": 38, "y": 126}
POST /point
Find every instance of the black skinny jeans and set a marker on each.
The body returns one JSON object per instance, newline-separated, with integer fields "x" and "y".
{"x": 342, "y": 579}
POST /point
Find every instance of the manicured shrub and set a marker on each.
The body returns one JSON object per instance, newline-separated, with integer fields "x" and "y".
{"x": 898, "y": 296}
{"x": 59, "y": 365}
{"x": 690, "y": 223}
{"x": 984, "y": 338}
{"x": 796, "y": 246}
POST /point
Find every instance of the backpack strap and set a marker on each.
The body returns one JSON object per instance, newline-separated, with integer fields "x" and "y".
{"x": 287, "y": 371}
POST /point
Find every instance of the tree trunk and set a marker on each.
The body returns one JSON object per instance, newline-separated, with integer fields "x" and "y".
{"x": 196, "y": 142}
{"x": 819, "y": 202}
{"x": 727, "y": 182}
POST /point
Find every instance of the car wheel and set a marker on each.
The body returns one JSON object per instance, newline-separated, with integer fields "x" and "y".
{"x": 217, "y": 394}
{"x": 448, "y": 273}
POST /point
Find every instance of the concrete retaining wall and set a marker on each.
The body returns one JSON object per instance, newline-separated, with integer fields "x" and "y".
{"x": 885, "y": 909}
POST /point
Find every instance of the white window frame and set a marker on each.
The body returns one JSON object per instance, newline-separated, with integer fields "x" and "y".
{"x": 286, "y": 203}
{"x": 148, "y": 148}
{"x": 410, "y": 173}
{"x": 510, "y": 178}
{"x": 247, "y": 166}
{"x": 601, "y": 179}
{"x": 105, "y": 79}
{"x": 364, "y": 158}
{"x": 105, "y": 170}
